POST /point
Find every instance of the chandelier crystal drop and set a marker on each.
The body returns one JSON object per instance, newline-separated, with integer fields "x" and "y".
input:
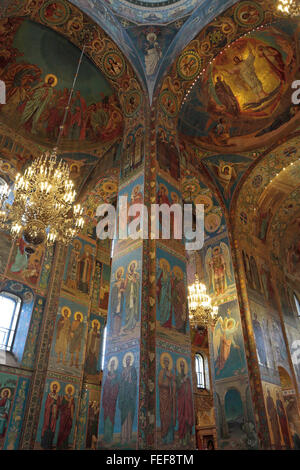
{"x": 43, "y": 209}
{"x": 290, "y": 7}
{"x": 201, "y": 311}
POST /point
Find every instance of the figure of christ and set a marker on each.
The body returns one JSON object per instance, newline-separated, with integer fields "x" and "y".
{"x": 244, "y": 69}
{"x": 167, "y": 401}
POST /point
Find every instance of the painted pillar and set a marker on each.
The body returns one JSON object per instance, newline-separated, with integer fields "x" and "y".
{"x": 147, "y": 380}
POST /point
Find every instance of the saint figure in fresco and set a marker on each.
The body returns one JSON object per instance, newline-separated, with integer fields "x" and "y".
{"x": 164, "y": 294}
{"x": 76, "y": 335}
{"x": 184, "y": 403}
{"x": 5, "y": 403}
{"x": 109, "y": 398}
{"x": 282, "y": 420}
{"x": 132, "y": 294}
{"x": 260, "y": 342}
{"x": 32, "y": 108}
{"x": 66, "y": 411}
{"x": 226, "y": 96}
{"x": 217, "y": 261}
{"x": 167, "y": 399}
{"x": 93, "y": 348}
{"x": 85, "y": 269}
{"x": 92, "y": 427}
{"x": 223, "y": 339}
{"x": 71, "y": 277}
{"x": 50, "y": 416}
{"x": 179, "y": 300}
{"x": 244, "y": 70}
{"x": 273, "y": 420}
{"x": 63, "y": 335}
{"x": 21, "y": 259}
{"x": 117, "y": 302}
{"x": 127, "y": 397}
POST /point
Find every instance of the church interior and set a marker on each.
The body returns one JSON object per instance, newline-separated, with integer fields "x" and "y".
{"x": 163, "y": 102}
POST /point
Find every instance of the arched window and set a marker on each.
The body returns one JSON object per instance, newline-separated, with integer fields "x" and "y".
{"x": 200, "y": 371}
{"x": 10, "y": 305}
{"x": 297, "y": 303}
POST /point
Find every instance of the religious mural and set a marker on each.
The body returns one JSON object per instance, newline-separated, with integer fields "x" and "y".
{"x": 277, "y": 417}
{"x": 58, "y": 416}
{"x": 79, "y": 268}
{"x": 125, "y": 297}
{"x": 245, "y": 91}
{"x": 26, "y": 262}
{"x": 171, "y": 300}
{"x": 118, "y": 418}
{"x": 38, "y": 91}
{"x": 92, "y": 366}
{"x": 67, "y": 350}
{"x": 175, "y": 412}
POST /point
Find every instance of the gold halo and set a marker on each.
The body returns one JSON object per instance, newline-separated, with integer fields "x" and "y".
{"x": 68, "y": 386}
{"x": 77, "y": 244}
{"x": 54, "y": 383}
{"x": 164, "y": 187}
{"x": 178, "y": 270}
{"x": 163, "y": 262}
{"x": 78, "y": 313}
{"x": 50, "y": 75}
{"x": 136, "y": 188}
{"x": 88, "y": 249}
{"x": 65, "y": 308}
{"x": 120, "y": 269}
{"x": 95, "y": 321}
{"x": 131, "y": 263}
{"x": 186, "y": 367}
{"x": 113, "y": 358}
{"x": 174, "y": 194}
{"x": 125, "y": 357}
{"x": 161, "y": 360}
{"x": 3, "y": 390}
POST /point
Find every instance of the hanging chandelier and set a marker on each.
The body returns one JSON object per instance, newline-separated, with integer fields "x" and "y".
{"x": 43, "y": 209}
{"x": 201, "y": 312}
{"x": 290, "y": 7}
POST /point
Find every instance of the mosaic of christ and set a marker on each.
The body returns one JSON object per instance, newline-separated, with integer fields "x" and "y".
{"x": 246, "y": 91}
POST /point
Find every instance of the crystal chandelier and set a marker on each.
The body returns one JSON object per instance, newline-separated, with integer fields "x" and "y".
{"x": 43, "y": 209}
{"x": 291, "y": 7}
{"x": 201, "y": 312}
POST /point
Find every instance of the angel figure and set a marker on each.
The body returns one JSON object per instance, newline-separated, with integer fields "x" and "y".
{"x": 223, "y": 340}
{"x": 217, "y": 264}
{"x": 227, "y": 173}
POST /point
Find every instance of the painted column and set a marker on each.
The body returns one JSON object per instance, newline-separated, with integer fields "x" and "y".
{"x": 147, "y": 380}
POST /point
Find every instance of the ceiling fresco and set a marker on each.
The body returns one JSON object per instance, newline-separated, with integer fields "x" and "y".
{"x": 244, "y": 96}
{"x": 269, "y": 196}
{"x": 153, "y": 11}
{"x": 39, "y": 74}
